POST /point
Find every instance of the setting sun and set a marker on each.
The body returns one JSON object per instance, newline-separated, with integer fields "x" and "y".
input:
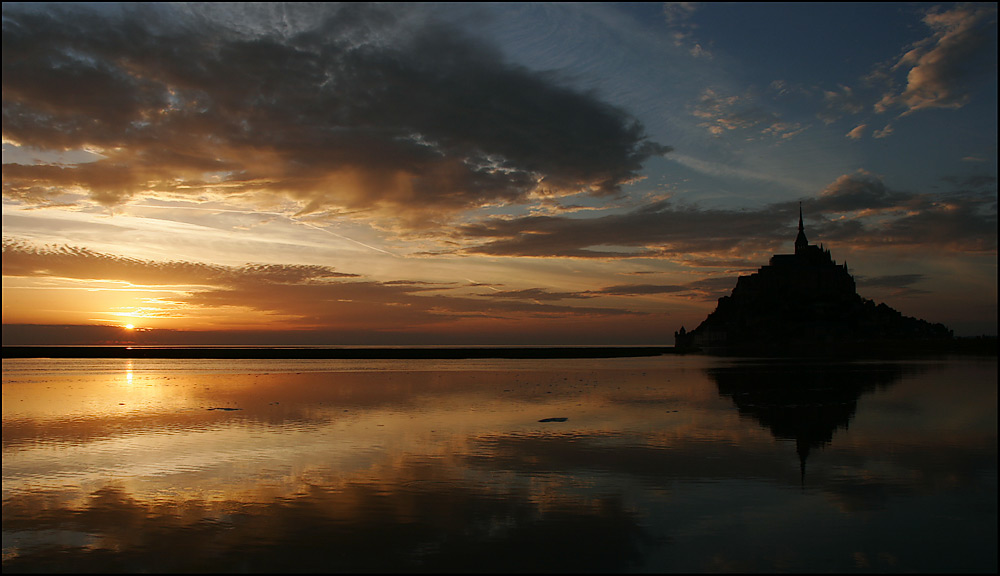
{"x": 538, "y": 286}
{"x": 394, "y": 196}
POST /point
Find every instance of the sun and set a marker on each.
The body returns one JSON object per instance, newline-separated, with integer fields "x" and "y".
{"x": 130, "y": 326}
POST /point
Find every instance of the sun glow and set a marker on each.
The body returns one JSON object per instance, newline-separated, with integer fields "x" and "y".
{"x": 130, "y": 326}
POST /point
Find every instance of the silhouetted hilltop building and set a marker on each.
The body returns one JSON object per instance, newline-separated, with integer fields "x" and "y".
{"x": 803, "y": 303}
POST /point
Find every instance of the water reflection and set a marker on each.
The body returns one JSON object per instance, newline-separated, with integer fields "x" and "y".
{"x": 422, "y": 522}
{"x": 804, "y": 402}
{"x": 646, "y": 465}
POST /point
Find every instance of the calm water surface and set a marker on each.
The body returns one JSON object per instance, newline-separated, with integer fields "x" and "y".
{"x": 690, "y": 463}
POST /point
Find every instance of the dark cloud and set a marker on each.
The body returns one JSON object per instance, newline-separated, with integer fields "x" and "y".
{"x": 654, "y": 230}
{"x": 957, "y": 223}
{"x": 893, "y": 281}
{"x": 712, "y": 288}
{"x": 640, "y": 289}
{"x": 860, "y": 191}
{"x": 963, "y": 220}
{"x": 535, "y": 294}
{"x": 900, "y": 284}
{"x": 707, "y": 289}
{"x": 973, "y": 182}
{"x": 360, "y": 109}
{"x": 856, "y": 210}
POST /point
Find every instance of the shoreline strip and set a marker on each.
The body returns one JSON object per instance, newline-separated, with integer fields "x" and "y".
{"x": 332, "y": 353}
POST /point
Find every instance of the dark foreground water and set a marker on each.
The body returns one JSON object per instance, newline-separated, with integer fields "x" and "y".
{"x": 672, "y": 463}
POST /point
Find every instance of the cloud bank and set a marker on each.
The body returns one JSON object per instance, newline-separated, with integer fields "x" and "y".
{"x": 347, "y": 108}
{"x": 857, "y": 210}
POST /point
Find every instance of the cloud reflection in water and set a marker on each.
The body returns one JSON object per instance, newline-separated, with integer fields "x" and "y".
{"x": 446, "y": 467}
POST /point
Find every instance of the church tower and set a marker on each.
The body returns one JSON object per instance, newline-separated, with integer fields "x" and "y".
{"x": 801, "y": 243}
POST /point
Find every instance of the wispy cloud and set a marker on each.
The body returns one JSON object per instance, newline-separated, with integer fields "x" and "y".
{"x": 300, "y": 296}
{"x": 939, "y": 71}
{"x": 711, "y": 168}
{"x": 679, "y": 17}
{"x": 884, "y": 132}
{"x": 840, "y": 102}
{"x": 721, "y": 114}
{"x": 939, "y": 68}
{"x": 23, "y": 259}
{"x": 899, "y": 284}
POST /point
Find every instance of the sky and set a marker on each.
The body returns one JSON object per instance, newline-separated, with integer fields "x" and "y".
{"x": 453, "y": 173}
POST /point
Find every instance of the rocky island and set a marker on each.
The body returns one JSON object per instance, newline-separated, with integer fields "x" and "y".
{"x": 805, "y": 303}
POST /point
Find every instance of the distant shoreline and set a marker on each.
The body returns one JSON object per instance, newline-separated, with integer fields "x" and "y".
{"x": 291, "y": 353}
{"x": 984, "y": 345}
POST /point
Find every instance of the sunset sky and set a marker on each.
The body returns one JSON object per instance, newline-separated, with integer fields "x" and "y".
{"x": 488, "y": 173}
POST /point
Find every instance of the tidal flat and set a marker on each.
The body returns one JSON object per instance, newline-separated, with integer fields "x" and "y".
{"x": 673, "y": 463}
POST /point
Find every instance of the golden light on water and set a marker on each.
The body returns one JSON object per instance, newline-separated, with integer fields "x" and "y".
{"x": 238, "y": 446}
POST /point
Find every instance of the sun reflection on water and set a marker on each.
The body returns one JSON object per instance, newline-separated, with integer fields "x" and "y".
{"x": 635, "y": 467}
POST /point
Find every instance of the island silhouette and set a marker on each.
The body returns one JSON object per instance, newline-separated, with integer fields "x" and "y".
{"x": 805, "y": 303}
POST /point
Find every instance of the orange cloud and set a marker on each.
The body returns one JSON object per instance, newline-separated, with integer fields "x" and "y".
{"x": 939, "y": 67}
{"x": 300, "y": 296}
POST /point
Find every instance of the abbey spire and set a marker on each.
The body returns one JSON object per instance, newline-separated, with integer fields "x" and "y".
{"x": 801, "y": 243}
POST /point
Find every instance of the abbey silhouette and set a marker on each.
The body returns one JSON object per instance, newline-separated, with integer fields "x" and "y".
{"x": 807, "y": 402}
{"x": 803, "y": 303}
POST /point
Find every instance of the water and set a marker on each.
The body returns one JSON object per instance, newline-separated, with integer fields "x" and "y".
{"x": 664, "y": 464}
